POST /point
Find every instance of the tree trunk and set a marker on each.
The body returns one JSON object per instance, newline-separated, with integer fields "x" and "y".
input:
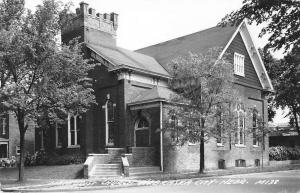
{"x": 21, "y": 160}
{"x": 296, "y": 121}
{"x": 201, "y": 170}
{"x": 22, "y": 130}
{"x": 262, "y": 152}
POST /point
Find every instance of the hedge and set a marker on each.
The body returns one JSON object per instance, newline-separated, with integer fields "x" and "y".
{"x": 43, "y": 158}
{"x": 279, "y": 153}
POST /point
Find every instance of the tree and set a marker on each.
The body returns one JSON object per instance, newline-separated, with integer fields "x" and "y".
{"x": 281, "y": 16}
{"x": 205, "y": 90}
{"x": 288, "y": 87}
{"x": 38, "y": 76}
{"x": 285, "y": 78}
{"x": 273, "y": 68}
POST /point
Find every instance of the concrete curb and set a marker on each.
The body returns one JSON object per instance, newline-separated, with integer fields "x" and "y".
{"x": 47, "y": 188}
{"x": 74, "y": 189}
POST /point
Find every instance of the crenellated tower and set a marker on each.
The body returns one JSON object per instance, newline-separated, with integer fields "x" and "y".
{"x": 93, "y": 28}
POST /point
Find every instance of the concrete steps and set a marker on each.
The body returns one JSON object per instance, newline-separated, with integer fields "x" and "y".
{"x": 136, "y": 171}
{"x": 116, "y": 160}
{"x": 106, "y": 170}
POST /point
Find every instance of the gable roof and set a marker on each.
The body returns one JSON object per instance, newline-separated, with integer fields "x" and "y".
{"x": 200, "y": 42}
{"x": 122, "y": 58}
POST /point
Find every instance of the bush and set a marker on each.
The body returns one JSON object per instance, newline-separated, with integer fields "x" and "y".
{"x": 279, "y": 153}
{"x": 38, "y": 158}
{"x": 43, "y": 158}
{"x": 76, "y": 158}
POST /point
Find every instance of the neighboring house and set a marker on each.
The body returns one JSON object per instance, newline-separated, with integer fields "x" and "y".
{"x": 131, "y": 89}
{"x": 10, "y": 137}
{"x": 284, "y": 135}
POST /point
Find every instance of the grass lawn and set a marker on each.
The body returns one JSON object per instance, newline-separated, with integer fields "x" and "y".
{"x": 44, "y": 172}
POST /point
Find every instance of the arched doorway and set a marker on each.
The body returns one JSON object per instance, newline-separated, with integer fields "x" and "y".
{"x": 142, "y": 135}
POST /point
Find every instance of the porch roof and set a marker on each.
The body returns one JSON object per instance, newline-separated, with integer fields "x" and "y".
{"x": 155, "y": 94}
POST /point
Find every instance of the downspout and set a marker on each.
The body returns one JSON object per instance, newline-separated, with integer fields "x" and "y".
{"x": 161, "y": 138}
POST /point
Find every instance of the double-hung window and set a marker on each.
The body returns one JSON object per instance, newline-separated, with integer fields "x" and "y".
{"x": 239, "y": 61}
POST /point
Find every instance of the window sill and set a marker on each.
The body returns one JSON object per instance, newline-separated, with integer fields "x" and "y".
{"x": 256, "y": 146}
{"x": 240, "y": 145}
{"x": 191, "y": 144}
{"x": 241, "y": 75}
{"x": 58, "y": 147}
{"x": 74, "y": 146}
{"x": 220, "y": 145}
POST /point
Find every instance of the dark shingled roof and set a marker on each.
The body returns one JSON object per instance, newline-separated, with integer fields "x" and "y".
{"x": 122, "y": 57}
{"x": 156, "y": 93}
{"x": 198, "y": 42}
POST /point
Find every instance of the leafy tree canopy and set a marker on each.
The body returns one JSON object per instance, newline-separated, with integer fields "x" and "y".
{"x": 204, "y": 89}
{"x": 38, "y": 76}
{"x": 286, "y": 80}
{"x": 281, "y": 16}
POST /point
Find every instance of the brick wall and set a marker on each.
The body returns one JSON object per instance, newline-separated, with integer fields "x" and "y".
{"x": 143, "y": 156}
{"x": 186, "y": 157}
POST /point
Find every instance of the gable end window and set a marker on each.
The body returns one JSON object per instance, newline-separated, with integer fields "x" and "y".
{"x": 239, "y": 61}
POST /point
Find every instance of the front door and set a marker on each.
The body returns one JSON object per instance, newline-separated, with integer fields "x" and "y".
{"x": 142, "y": 133}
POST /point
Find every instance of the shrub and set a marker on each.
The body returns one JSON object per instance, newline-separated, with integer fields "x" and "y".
{"x": 76, "y": 158}
{"x": 43, "y": 158}
{"x": 38, "y": 158}
{"x": 279, "y": 153}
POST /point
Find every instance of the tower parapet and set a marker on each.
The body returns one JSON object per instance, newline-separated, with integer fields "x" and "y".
{"x": 97, "y": 28}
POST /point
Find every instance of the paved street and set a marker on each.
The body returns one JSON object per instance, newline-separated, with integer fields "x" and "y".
{"x": 275, "y": 182}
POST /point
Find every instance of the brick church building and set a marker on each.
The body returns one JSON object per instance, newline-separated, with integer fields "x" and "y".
{"x": 132, "y": 93}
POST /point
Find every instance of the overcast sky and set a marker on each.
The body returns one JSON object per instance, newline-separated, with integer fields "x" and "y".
{"x": 147, "y": 22}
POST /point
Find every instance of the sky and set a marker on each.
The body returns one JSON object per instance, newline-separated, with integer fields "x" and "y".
{"x": 146, "y": 22}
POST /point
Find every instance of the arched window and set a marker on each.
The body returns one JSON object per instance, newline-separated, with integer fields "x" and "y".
{"x": 240, "y": 133}
{"x": 109, "y": 121}
{"x": 73, "y": 130}
{"x": 174, "y": 126}
{"x": 254, "y": 127}
{"x": 142, "y": 133}
{"x": 110, "y": 111}
{"x": 219, "y": 134}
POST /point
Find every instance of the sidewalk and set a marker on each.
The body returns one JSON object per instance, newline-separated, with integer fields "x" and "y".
{"x": 36, "y": 185}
